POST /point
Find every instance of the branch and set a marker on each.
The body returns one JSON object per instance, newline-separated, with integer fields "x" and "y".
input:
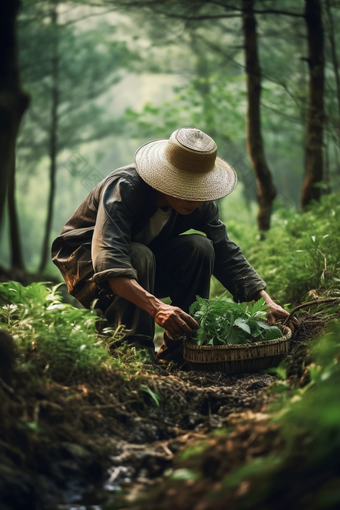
{"x": 158, "y": 3}
{"x": 240, "y": 66}
{"x": 198, "y": 18}
{"x": 297, "y": 120}
{"x": 310, "y": 303}
{"x": 72, "y": 22}
{"x": 266, "y": 11}
{"x": 284, "y": 13}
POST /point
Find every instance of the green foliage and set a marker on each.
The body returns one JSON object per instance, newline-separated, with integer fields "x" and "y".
{"x": 191, "y": 106}
{"x": 185, "y": 475}
{"x": 310, "y": 424}
{"x": 222, "y": 321}
{"x": 52, "y": 337}
{"x": 313, "y": 412}
{"x": 300, "y": 252}
{"x": 155, "y": 398}
{"x": 194, "y": 450}
{"x": 57, "y": 339}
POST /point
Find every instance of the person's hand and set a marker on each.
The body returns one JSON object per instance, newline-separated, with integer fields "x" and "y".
{"x": 274, "y": 311}
{"x": 174, "y": 320}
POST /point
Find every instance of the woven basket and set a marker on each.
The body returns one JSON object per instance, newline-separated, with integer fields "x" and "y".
{"x": 233, "y": 359}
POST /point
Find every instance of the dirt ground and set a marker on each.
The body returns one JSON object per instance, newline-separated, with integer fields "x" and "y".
{"x": 78, "y": 445}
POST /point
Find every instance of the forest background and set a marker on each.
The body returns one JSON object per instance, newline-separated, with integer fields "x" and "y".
{"x": 103, "y": 77}
{"x": 83, "y": 83}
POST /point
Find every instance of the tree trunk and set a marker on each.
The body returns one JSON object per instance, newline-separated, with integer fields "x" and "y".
{"x": 315, "y": 118}
{"x": 16, "y": 252}
{"x": 334, "y": 57}
{"x": 13, "y": 101}
{"x": 53, "y": 137}
{"x": 266, "y": 191}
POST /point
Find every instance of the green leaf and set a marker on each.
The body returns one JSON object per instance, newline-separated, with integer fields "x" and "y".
{"x": 257, "y": 306}
{"x": 242, "y": 323}
{"x": 185, "y": 475}
{"x": 152, "y": 394}
{"x": 273, "y": 332}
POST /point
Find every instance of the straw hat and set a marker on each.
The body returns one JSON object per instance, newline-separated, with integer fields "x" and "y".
{"x": 186, "y": 166}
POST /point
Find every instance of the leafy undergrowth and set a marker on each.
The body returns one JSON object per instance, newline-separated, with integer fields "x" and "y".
{"x": 285, "y": 458}
{"x": 75, "y": 403}
{"x": 299, "y": 256}
{"x": 56, "y": 339}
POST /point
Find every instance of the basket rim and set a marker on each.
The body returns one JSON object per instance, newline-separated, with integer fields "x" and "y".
{"x": 248, "y": 345}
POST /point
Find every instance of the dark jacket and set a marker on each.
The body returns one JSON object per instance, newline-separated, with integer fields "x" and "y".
{"x": 93, "y": 245}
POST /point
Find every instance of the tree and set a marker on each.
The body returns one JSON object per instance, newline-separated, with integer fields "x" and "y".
{"x": 266, "y": 191}
{"x": 17, "y": 261}
{"x": 66, "y": 70}
{"x": 199, "y": 11}
{"x": 53, "y": 129}
{"x": 13, "y": 100}
{"x": 314, "y": 161}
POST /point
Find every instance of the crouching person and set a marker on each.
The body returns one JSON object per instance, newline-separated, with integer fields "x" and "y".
{"x": 124, "y": 244}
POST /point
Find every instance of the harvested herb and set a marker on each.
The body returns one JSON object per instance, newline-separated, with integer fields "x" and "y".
{"x": 222, "y": 322}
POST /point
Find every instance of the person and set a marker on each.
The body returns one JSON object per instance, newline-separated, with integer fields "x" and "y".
{"x": 125, "y": 245}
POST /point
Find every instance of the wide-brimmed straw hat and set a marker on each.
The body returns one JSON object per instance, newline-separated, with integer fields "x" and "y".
{"x": 186, "y": 166}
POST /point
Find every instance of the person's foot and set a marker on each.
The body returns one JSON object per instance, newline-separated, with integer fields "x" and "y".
{"x": 172, "y": 350}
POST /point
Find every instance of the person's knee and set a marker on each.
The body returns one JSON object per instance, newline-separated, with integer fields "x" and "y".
{"x": 200, "y": 246}
{"x": 142, "y": 258}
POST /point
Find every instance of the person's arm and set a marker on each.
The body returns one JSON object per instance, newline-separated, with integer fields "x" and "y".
{"x": 171, "y": 318}
{"x": 233, "y": 270}
{"x": 231, "y": 267}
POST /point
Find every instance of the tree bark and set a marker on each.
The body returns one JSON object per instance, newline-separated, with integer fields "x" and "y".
{"x": 334, "y": 57}
{"x": 315, "y": 118}
{"x": 45, "y": 254}
{"x": 13, "y": 101}
{"x": 266, "y": 191}
{"x": 16, "y": 252}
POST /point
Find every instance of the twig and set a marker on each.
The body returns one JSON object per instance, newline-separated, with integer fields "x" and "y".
{"x": 305, "y": 305}
{"x": 108, "y": 406}
{"x": 19, "y": 397}
{"x": 39, "y": 403}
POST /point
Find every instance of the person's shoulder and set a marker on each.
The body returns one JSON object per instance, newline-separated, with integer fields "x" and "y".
{"x": 125, "y": 184}
{"x": 209, "y": 207}
{"x": 128, "y": 173}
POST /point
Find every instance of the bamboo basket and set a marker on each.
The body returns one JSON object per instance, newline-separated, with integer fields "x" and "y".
{"x": 233, "y": 359}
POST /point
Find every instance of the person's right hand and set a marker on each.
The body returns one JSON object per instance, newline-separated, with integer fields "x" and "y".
{"x": 174, "y": 320}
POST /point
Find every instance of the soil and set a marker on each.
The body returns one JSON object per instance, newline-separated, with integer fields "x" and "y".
{"x": 77, "y": 445}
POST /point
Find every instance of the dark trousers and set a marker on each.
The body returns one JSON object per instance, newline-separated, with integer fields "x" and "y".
{"x": 180, "y": 269}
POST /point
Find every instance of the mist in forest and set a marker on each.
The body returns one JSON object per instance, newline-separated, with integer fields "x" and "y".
{"x": 103, "y": 80}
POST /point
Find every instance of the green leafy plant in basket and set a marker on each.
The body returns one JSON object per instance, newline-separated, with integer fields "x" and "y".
{"x": 223, "y": 322}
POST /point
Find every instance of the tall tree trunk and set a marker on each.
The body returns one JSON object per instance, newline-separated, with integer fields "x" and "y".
{"x": 202, "y": 84}
{"x": 16, "y": 252}
{"x": 334, "y": 56}
{"x": 13, "y": 101}
{"x": 314, "y": 161}
{"x": 266, "y": 191}
{"x": 53, "y": 136}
